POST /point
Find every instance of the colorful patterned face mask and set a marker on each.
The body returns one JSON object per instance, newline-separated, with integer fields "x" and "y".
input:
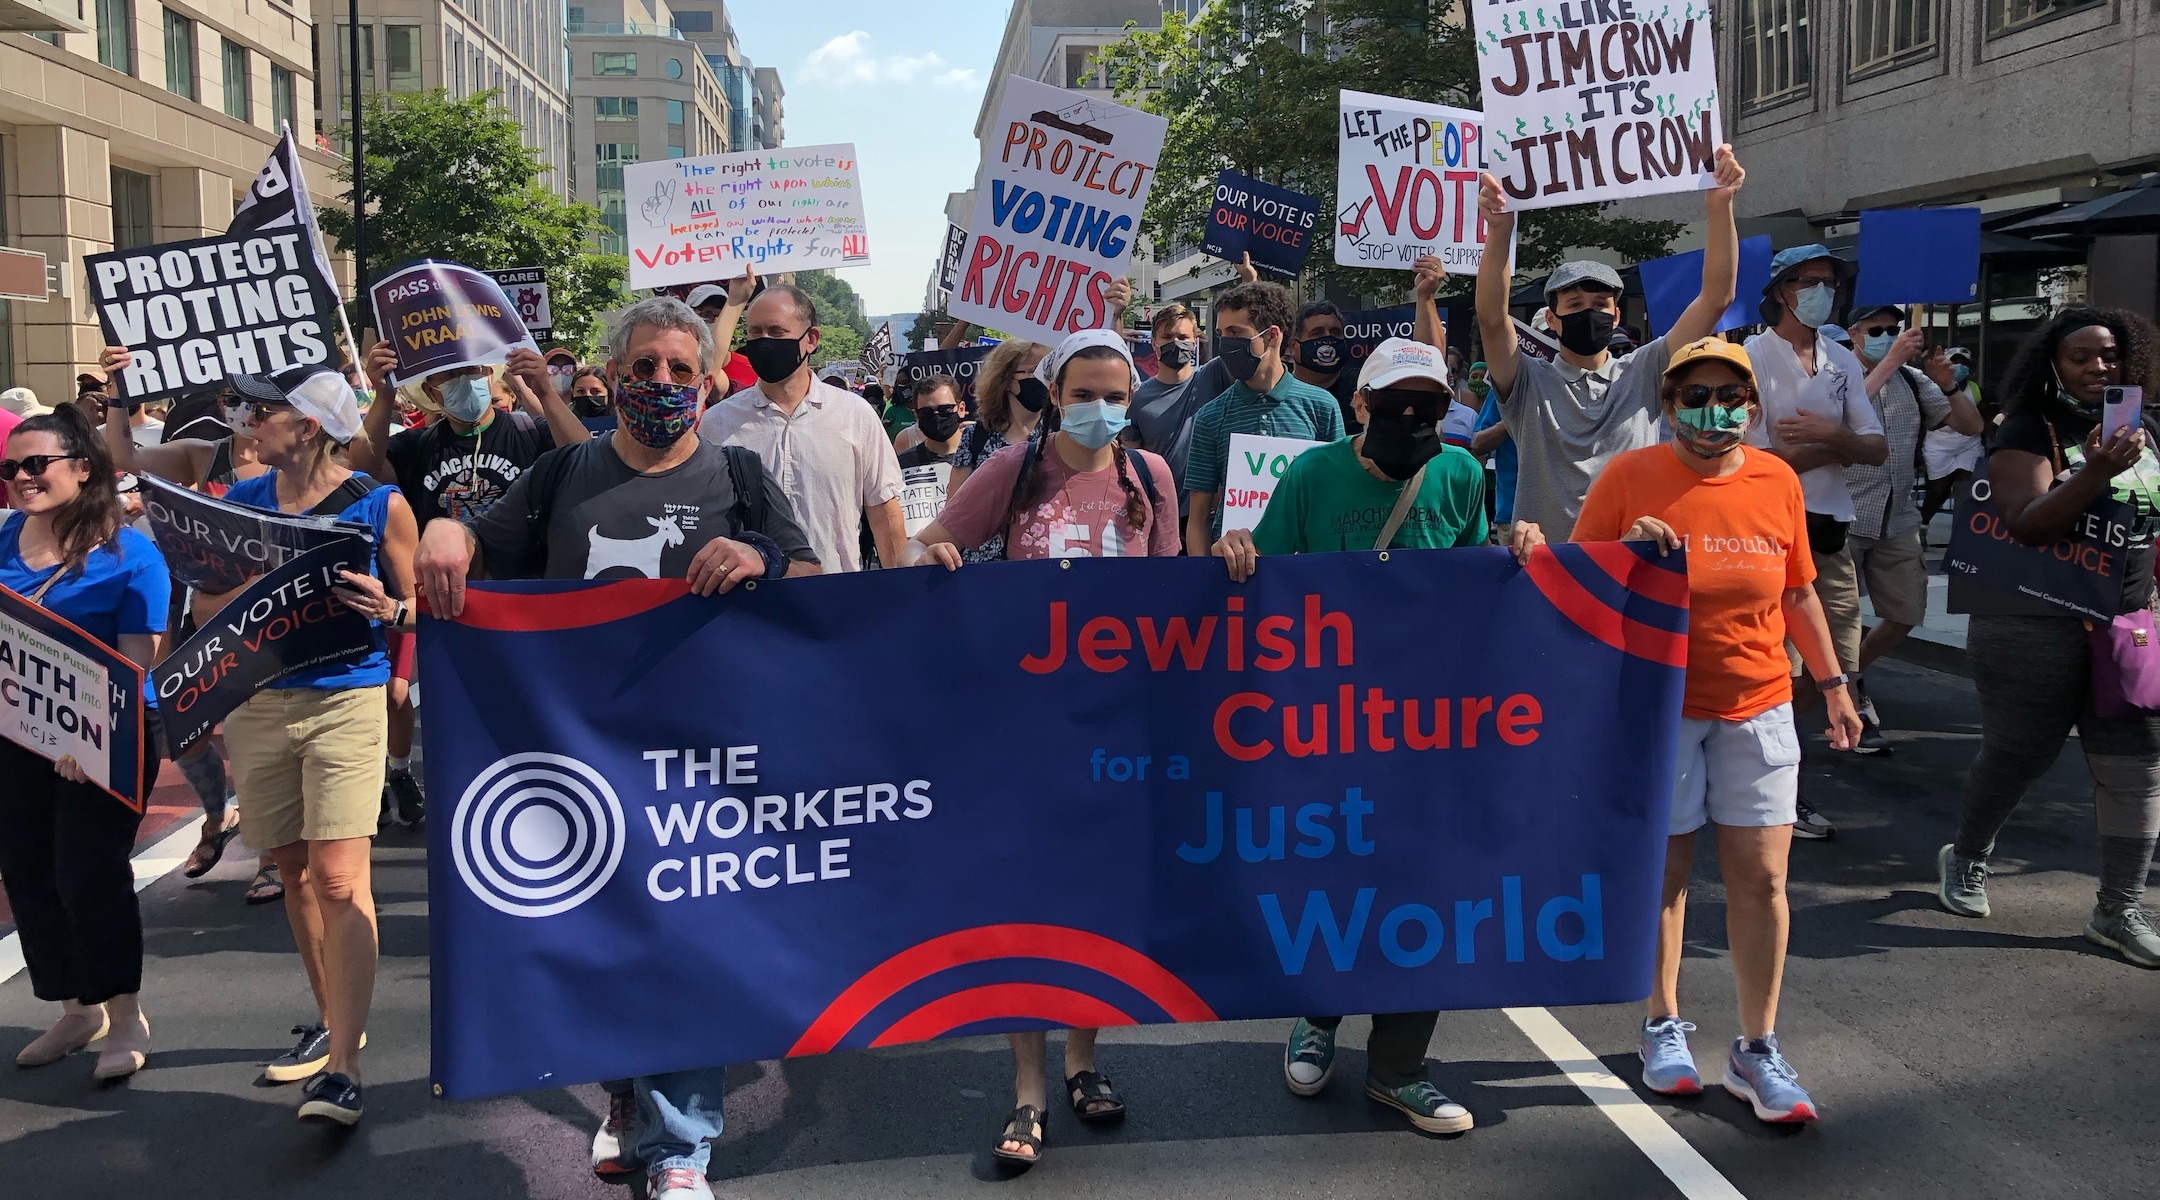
{"x": 656, "y": 413}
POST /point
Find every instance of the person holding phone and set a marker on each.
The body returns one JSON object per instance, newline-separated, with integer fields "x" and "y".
{"x": 2032, "y": 663}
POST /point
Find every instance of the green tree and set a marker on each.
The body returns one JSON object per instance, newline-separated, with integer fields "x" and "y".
{"x": 1252, "y": 87}
{"x": 836, "y": 342}
{"x": 452, "y": 179}
{"x": 836, "y": 301}
{"x": 925, "y": 326}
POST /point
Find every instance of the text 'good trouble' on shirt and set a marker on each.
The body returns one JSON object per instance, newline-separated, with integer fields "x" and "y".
{"x": 1327, "y": 500}
{"x": 444, "y": 473}
{"x": 1074, "y": 514}
{"x": 1746, "y": 540}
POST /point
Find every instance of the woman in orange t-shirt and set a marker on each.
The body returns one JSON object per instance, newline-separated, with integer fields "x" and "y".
{"x": 1738, "y": 513}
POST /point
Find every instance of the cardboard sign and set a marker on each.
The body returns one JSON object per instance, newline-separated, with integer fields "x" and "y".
{"x": 948, "y": 271}
{"x": 1917, "y": 256}
{"x": 2081, "y": 573}
{"x": 442, "y": 316}
{"x": 287, "y": 622}
{"x": 1366, "y": 328}
{"x": 1256, "y": 463}
{"x": 527, "y": 290}
{"x": 1272, "y": 224}
{"x": 195, "y": 312}
{"x": 961, "y": 364}
{"x": 1592, "y": 100}
{"x": 1057, "y": 207}
{"x": 922, "y": 494}
{"x": 692, "y": 220}
{"x": 215, "y": 546}
{"x": 64, "y": 693}
{"x": 1670, "y": 284}
{"x": 1406, "y": 184}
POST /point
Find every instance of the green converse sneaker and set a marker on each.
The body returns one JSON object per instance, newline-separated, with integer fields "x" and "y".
{"x": 2128, "y": 932}
{"x": 1426, "y": 1106}
{"x": 1309, "y": 1058}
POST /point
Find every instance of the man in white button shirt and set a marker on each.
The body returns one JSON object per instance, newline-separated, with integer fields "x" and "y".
{"x": 1816, "y": 416}
{"x": 823, "y": 444}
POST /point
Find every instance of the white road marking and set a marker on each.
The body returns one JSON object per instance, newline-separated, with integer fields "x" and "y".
{"x": 1645, "y": 1126}
{"x": 151, "y": 864}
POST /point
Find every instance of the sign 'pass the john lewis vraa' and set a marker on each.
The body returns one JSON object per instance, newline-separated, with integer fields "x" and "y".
{"x": 1057, "y": 207}
{"x": 1589, "y": 100}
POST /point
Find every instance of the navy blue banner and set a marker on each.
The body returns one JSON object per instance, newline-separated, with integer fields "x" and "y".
{"x": 2081, "y": 573}
{"x": 676, "y": 831}
{"x": 961, "y": 364}
{"x": 1273, "y": 224}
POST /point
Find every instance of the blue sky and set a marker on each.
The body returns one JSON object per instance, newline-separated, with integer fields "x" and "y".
{"x": 902, "y": 80}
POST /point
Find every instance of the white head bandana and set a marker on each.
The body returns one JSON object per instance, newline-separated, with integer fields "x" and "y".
{"x": 1047, "y": 370}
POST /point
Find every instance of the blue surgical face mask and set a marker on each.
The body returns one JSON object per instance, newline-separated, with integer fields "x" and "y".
{"x": 1092, "y": 423}
{"x": 1875, "y": 345}
{"x": 1959, "y": 373}
{"x": 466, "y": 400}
{"x": 1812, "y": 306}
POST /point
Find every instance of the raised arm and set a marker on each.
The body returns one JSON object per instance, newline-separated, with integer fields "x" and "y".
{"x": 184, "y": 462}
{"x": 369, "y": 454}
{"x": 527, "y": 372}
{"x": 1429, "y": 273}
{"x": 1494, "y": 274}
{"x": 1721, "y": 256}
{"x": 723, "y": 326}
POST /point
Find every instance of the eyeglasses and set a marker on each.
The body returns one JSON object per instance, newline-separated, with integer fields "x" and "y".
{"x": 645, "y": 368}
{"x": 1695, "y": 395}
{"x": 1879, "y": 330}
{"x": 33, "y": 465}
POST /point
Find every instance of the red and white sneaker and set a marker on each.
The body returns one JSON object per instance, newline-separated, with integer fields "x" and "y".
{"x": 614, "y": 1149}
{"x": 678, "y": 1183}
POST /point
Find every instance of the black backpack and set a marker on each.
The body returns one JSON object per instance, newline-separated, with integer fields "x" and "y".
{"x": 746, "y": 478}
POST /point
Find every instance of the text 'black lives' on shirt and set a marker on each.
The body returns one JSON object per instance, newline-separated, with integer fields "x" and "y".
{"x": 607, "y": 521}
{"x": 444, "y": 473}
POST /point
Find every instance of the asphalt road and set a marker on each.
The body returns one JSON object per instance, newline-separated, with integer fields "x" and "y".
{"x": 2000, "y": 1058}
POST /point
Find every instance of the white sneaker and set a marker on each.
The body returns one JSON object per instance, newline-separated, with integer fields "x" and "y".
{"x": 678, "y": 1183}
{"x": 613, "y": 1150}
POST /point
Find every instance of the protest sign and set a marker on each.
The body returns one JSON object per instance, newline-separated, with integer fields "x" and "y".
{"x": 1257, "y": 463}
{"x": 1406, "y": 184}
{"x": 195, "y": 312}
{"x": 922, "y": 494}
{"x": 1366, "y": 328}
{"x": 1591, "y": 100}
{"x": 1272, "y": 224}
{"x": 877, "y": 353}
{"x": 442, "y": 315}
{"x": 63, "y": 692}
{"x": 214, "y": 545}
{"x": 1670, "y": 284}
{"x": 278, "y": 199}
{"x": 1057, "y": 206}
{"x": 1289, "y": 795}
{"x": 1535, "y": 342}
{"x": 2081, "y": 573}
{"x": 948, "y": 271}
{"x": 797, "y": 208}
{"x": 961, "y": 364}
{"x": 286, "y": 622}
{"x": 1918, "y": 256}
{"x": 527, "y": 290}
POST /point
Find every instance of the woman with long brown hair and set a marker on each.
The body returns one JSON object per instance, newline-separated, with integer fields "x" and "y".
{"x": 1009, "y": 402}
{"x": 64, "y": 843}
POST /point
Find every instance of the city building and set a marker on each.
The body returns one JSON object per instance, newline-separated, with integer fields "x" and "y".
{"x": 768, "y": 118}
{"x": 127, "y": 122}
{"x": 512, "y": 47}
{"x": 641, "y": 91}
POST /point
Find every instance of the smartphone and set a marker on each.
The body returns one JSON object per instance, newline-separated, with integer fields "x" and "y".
{"x": 2120, "y": 407}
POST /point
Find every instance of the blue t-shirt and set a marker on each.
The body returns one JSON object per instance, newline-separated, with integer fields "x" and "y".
{"x": 371, "y": 510}
{"x": 1503, "y": 462}
{"x": 115, "y": 593}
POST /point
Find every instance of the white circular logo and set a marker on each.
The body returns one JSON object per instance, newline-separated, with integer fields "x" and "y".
{"x": 537, "y": 834}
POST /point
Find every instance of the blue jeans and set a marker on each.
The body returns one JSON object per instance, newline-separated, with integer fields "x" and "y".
{"x": 678, "y": 1115}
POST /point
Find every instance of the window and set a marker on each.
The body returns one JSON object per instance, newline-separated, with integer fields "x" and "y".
{"x": 1078, "y": 73}
{"x": 694, "y": 22}
{"x": 116, "y": 35}
{"x": 179, "y": 55}
{"x": 236, "y": 80}
{"x": 401, "y": 45}
{"x": 674, "y": 151}
{"x": 281, "y": 95}
{"x": 2006, "y": 15}
{"x": 577, "y": 15}
{"x": 614, "y": 64}
{"x": 674, "y": 68}
{"x": 614, "y": 108}
{"x": 1886, "y": 30}
{"x": 130, "y": 210}
{"x": 608, "y": 160}
{"x": 454, "y": 63}
{"x": 1774, "y": 56}
{"x": 674, "y": 112}
{"x": 344, "y": 59}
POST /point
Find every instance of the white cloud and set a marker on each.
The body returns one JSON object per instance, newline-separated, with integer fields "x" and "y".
{"x": 848, "y": 61}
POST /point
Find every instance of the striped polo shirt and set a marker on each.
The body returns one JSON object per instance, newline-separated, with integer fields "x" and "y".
{"x": 1290, "y": 409}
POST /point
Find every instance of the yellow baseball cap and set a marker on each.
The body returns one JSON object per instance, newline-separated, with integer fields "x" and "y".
{"x": 1712, "y": 348}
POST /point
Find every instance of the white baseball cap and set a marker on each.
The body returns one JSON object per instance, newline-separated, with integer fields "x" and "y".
{"x": 315, "y": 391}
{"x": 704, "y": 292}
{"x": 1397, "y": 359}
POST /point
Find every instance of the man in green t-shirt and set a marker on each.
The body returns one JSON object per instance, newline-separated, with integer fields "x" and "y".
{"x": 1394, "y": 486}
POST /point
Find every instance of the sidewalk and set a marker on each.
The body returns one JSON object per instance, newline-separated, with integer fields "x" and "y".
{"x": 1939, "y": 643}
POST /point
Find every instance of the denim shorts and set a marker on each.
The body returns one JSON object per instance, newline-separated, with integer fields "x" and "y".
{"x": 1736, "y": 772}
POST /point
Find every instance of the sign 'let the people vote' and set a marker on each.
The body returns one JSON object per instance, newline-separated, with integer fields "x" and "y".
{"x": 1589, "y": 100}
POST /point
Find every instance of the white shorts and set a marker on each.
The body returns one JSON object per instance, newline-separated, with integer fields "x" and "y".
{"x": 1736, "y": 772}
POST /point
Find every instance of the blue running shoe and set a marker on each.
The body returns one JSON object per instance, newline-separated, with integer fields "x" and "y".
{"x": 1668, "y": 1068}
{"x": 1768, "y": 1083}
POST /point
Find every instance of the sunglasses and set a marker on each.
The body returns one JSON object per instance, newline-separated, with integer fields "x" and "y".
{"x": 1695, "y": 395}
{"x": 259, "y": 411}
{"x": 1879, "y": 330}
{"x": 33, "y": 465}
{"x": 645, "y": 368}
{"x": 1397, "y": 402}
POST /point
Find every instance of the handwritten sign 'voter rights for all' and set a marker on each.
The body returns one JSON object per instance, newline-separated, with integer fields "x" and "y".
{"x": 1598, "y": 99}
{"x": 1256, "y": 465}
{"x": 1057, "y": 206}
{"x": 693, "y": 220}
{"x": 1406, "y": 184}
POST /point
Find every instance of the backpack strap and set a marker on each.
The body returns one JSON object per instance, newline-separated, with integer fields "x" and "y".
{"x": 746, "y": 475}
{"x": 521, "y": 420}
{"x": 977, "y": 436}
{"x": 548, "y": 472}
{"x": 1401, "y": 511}
{"x": 355, "y": 489}
{"x": 1027, "y": 463}
{"x": 1146, "y": 475}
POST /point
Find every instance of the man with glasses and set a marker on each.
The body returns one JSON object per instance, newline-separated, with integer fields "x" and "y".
{"x": 1884, "y": 541}
{"x": 826, "y": 447}
{"x": 1815, "y": 416}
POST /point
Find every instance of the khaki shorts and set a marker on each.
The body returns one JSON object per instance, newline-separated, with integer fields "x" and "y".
{"x": 1896, "y": 574}
{"x": 307, "y": 764}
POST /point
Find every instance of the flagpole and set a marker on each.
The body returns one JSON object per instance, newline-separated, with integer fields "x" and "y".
{"x": 359, "y": 195}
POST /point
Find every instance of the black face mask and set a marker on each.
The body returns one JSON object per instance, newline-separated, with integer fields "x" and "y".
{"x": 1586, "y": 331}
{"x": 1241, "y": 356}
{"x": 1034, "y": 393}
{"x": 1400, "y": 445}
{"x": 774, "y": 359}
{"x": 938, "y": 422}
{"x": 1321, "y": 353}
{"x": 1174, "y": 354}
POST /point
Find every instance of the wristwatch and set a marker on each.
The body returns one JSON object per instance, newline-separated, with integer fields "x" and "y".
{"x": 1835, "y": 681}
